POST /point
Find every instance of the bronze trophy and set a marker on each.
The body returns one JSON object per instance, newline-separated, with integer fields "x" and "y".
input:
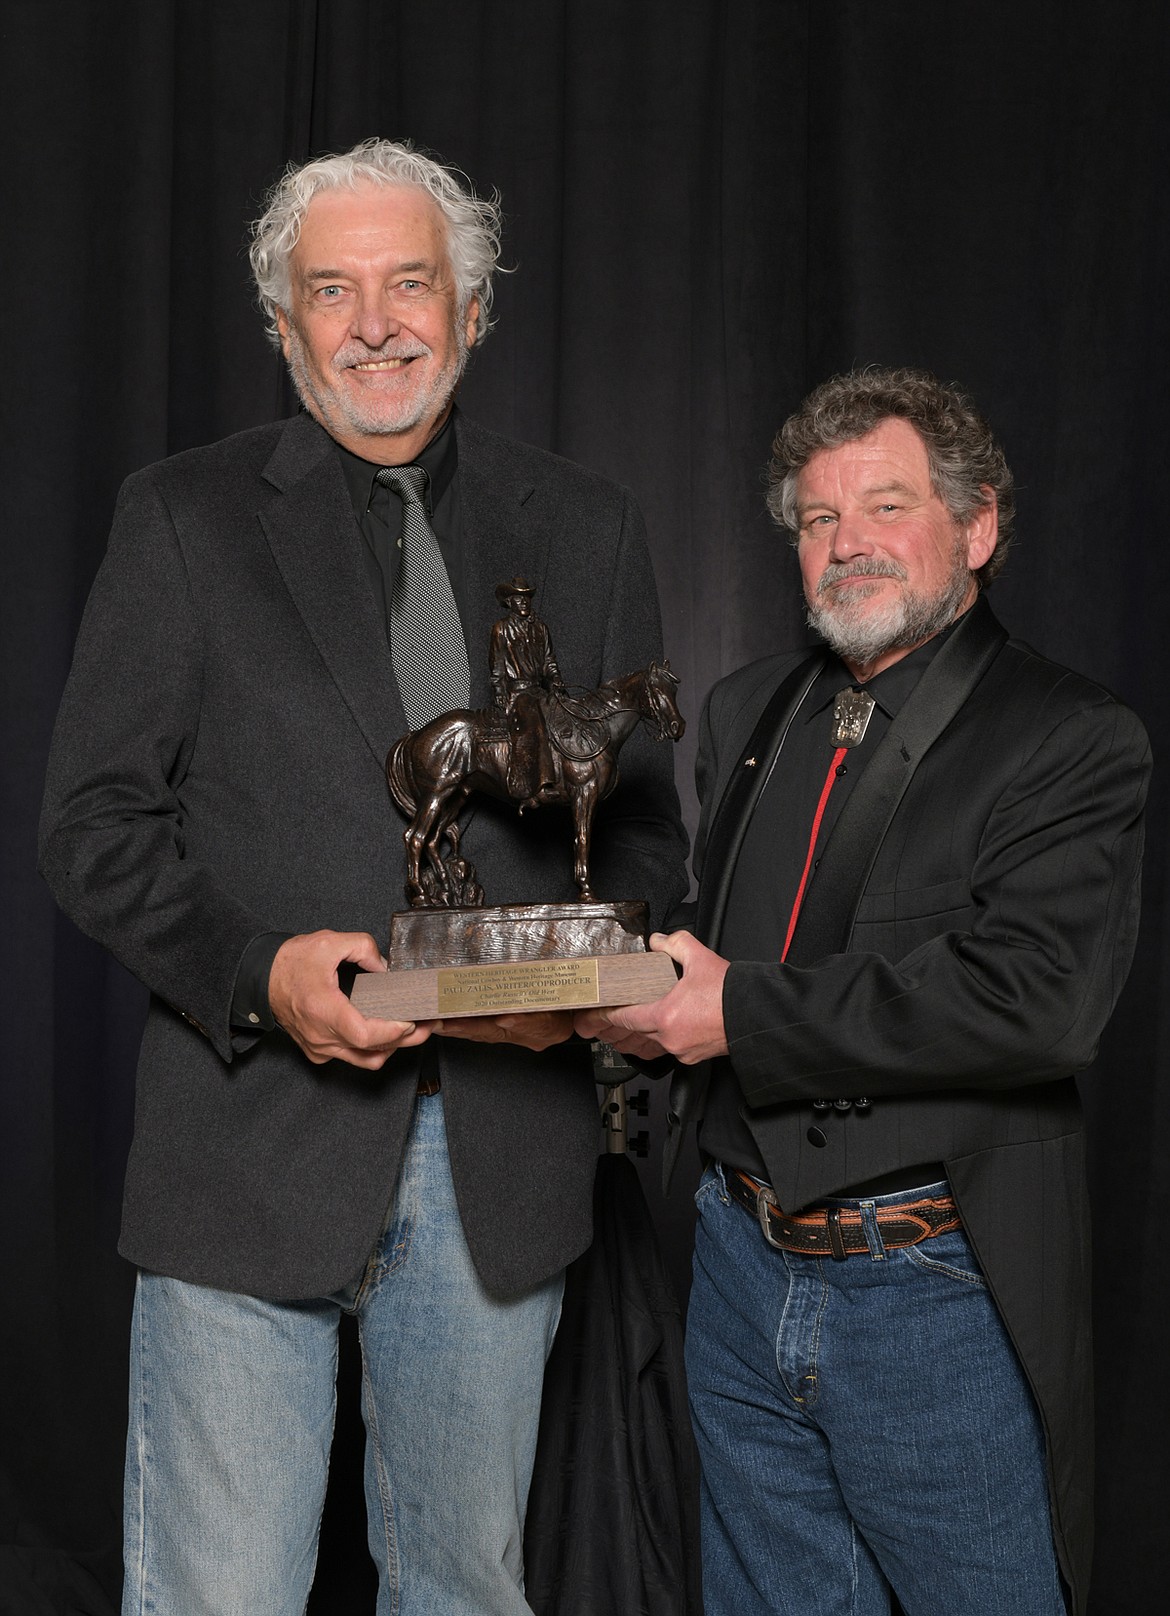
{"x": 538, "y": 746}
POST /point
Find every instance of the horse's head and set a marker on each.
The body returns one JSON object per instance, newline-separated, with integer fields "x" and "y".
{"x": 659, "y": 704}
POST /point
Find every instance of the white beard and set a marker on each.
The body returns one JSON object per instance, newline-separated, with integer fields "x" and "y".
{"x": 373, "y": 417}
{"x": 860, "y": 633}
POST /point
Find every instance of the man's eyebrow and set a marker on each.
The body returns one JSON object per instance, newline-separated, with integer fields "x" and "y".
{"x": 345, "y": 275}
{"x": 874, "y": 489}
{"x": 805, "y": 505}
{"x": 893, "y": 487}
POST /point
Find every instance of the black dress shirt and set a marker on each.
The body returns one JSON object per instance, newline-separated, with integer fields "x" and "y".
{"x": 378, "y": 510}
{"x": 772, "y": 857}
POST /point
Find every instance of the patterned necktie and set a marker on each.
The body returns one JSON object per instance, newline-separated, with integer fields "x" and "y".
{"x": 426, "y": 638}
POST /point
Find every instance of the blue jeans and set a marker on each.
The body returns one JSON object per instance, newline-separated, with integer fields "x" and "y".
{"x": 862, "y": 1425}
{"x": 232, "y": 1402}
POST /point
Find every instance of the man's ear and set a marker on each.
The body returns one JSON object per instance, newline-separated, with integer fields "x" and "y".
{"x": 983, "y": 531}
{"x": 282, "y": 326}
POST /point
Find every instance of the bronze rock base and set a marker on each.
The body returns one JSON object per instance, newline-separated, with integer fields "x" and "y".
{"x": 514, "y": 957}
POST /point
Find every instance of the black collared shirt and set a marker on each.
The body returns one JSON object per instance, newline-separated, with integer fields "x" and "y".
{"x": 379, "y": 514}
{"x": 772, "y": 856}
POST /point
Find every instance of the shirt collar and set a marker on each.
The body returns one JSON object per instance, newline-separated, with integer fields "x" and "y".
{"x": 890, "y": 689}
{"x": 439, "y": 460}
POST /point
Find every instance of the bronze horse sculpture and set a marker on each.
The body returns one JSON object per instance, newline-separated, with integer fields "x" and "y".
{"x": 433, "y": 771}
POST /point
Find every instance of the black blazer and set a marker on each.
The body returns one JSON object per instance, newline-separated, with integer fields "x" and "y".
{"x": 955, "y": 962}
{"x": 217, "y": 772}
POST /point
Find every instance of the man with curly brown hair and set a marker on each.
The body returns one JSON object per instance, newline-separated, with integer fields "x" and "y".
{"x": 918, "y": 866}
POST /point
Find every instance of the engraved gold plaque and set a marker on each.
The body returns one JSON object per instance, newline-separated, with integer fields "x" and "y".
{"x": 532, "y": 985}
{"x": 558, "y": 980}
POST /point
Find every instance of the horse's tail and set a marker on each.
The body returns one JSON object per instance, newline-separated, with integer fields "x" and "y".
{"x": 398, "y": 775}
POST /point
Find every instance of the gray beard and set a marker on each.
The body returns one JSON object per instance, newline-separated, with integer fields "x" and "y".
{"x": 861, "y": 637}
{"x": 334, "y": 409}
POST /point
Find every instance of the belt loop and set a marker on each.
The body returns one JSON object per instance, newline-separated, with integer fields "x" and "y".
{"x": 872, "y": 1229}
{"x": 716, "y": 1167}
{"x": 836, "y": 1244}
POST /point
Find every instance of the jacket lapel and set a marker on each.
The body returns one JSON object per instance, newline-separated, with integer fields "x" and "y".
{"x": 688, "y": 1084}
{"x": 744, "y": 785}
{"x": 315, "y": 543}
{"x": 826, "y": 919}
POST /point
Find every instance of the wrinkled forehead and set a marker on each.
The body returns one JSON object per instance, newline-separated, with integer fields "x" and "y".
{"x": 893, "y": 453}
{"x": 372, "y": 221}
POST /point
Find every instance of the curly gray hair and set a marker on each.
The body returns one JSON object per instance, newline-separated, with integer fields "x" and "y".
{"x": 964, "y": 456}
{"x": 473, "y": 222}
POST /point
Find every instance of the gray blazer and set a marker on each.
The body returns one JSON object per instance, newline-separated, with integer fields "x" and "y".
{"x": 217, "y": 772}
{"x": 955, "y": 962}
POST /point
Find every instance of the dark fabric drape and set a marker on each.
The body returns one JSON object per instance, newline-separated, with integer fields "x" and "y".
{"x": 613, "y": 1518}
{"x": 710, "y": 206}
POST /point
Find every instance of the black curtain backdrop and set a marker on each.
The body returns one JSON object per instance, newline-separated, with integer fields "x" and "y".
{"x": 711, "y": 205}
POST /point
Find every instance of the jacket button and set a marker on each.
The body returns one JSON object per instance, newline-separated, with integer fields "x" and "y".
{"x": 842, "y": 1105}
{"x": 817, "y": 1138}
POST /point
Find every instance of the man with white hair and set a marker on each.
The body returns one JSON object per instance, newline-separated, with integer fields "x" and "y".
{"x": 273, "y": 612}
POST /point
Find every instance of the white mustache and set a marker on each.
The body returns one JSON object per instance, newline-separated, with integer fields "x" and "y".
{"x": 864, "y": 567}
{"x": 356, "y": 353}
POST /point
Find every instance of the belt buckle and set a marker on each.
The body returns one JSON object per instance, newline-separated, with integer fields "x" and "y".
{"x": 766, "y": 1197}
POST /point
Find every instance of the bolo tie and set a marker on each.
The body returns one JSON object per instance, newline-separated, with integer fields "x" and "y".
{"x": 851, "y": 714}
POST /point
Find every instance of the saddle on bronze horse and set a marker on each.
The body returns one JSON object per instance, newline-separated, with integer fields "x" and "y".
{"x": 575, "y": 724}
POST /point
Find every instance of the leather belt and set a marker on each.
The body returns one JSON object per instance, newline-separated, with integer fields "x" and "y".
{"x": 429, "y": 1084}
{"x": 837, "y": 1231}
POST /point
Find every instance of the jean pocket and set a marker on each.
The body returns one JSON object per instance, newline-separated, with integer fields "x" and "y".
{"x": 950, "y": 1256}
{"x": 710, "y": 1184}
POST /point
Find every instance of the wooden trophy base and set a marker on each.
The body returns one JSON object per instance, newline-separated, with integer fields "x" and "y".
{"x": 498, "y": 961}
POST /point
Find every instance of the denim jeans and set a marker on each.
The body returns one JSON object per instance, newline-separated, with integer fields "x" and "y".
{"x": 862, "y": 1425}
{"x": 232, "y": 1402}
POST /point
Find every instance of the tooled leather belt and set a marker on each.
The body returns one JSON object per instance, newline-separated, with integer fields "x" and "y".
{"x": 837, "y": 1231}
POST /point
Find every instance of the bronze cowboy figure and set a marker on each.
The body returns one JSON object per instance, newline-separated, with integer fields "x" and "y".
{"x": 524, "y": 677}
{"x": 538, "y": 746}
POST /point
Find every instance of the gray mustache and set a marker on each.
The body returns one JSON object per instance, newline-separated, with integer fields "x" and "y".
{"x": 364, "y": 356}
{"x": 865, "y": 567}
